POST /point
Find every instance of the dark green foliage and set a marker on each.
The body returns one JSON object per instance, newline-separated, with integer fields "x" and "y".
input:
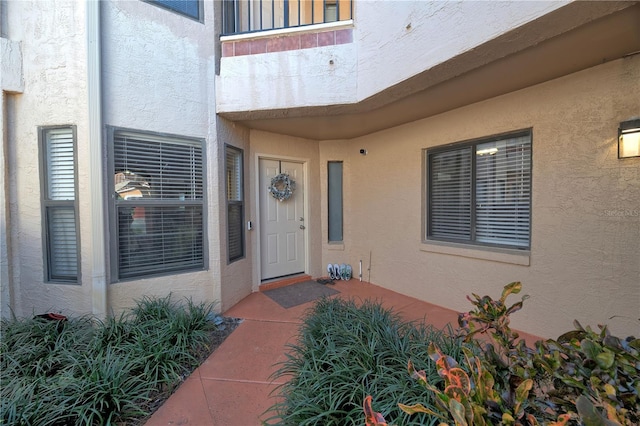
{"x": 86, "y": 372}
{"x": 346, "y": 352}
{"x": 594, "y": 364}
{"x": 584, "y": 376}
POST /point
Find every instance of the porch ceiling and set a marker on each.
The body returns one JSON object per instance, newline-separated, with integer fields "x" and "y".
{"x": 575, "y": 37}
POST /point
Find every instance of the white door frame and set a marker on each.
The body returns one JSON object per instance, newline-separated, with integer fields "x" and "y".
{"x": 258, "y": 247}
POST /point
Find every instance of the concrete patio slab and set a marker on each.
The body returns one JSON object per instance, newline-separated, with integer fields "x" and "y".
{"x": 233, "y": 387}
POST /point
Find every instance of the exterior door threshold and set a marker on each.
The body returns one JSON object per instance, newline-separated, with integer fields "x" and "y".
{"x": 278, "y": 282}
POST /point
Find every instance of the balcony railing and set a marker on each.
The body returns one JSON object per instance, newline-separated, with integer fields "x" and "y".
{"x": 246, "y": 16}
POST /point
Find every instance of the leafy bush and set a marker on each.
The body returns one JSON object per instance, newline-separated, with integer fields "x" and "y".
{"x": 86, "y": 372}
{"x": 347, "y": 351}
{"x": 504, "y": 382}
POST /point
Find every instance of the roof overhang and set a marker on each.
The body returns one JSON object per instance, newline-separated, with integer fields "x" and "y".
{"x": 573, "y": 38}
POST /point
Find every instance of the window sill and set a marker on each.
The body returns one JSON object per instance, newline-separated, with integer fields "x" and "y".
{"x": 515, "y": 257}
{"x": 335, "y": 246}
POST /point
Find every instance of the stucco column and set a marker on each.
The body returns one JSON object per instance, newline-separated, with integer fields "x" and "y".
{"x": 10, "y": 81}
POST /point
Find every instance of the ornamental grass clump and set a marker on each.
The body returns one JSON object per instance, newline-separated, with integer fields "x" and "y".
{"x": 87, "y": 372}
{"x": 346, "y": 352}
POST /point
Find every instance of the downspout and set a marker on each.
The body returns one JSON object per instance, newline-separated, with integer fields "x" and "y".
{"x": 99, "y": 298}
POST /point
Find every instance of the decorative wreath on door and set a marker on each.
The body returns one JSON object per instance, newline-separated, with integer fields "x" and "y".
{"x": 282, "y": 187}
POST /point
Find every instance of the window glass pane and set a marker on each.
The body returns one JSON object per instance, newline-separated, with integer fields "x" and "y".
{"x": 234, "y": 174}
{"x": 59, "y": 164}
{"x": 155, "y": 168}
{"x": 235, "y": 205}
{"x": 186, "y": 7}
{"x": 159, "y": 186}
{"x": 236, "y": 237}
{"x": 450, "y": 194}
{"x": 159, "y": 239}
{"x": 63, "y": 250}
{"x": 334, "y": 189}
{"x": 503, "y": 191}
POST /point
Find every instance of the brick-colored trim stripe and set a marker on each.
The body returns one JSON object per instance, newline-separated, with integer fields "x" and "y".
{"x": 287, "y": 42}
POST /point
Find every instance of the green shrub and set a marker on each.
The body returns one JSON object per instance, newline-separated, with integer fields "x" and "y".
{"x": 86, "y": 372}
{"x": 346, "y": 352}
{"x": 584, "y": 376}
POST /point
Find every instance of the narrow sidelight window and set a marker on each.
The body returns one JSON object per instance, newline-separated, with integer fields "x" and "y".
{"x": 334, "y": 190}
{"x": 59, "y": 204}
{"x": 480, "y": 192}
{"x": 157, "y": 206}
{"x": 235, "y": 202}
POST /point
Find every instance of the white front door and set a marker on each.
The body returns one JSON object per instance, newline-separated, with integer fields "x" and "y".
{"x": 282, "y": 223}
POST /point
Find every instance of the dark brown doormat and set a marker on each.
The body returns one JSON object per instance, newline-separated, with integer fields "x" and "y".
{"x": 297, "y": 294}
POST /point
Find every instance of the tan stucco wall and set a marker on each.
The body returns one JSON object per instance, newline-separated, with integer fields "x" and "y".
{"x": 237, "y": 276}
{"x": 158, "y": 71}
{"x": 584, "y": 261}
{"x": 352, "y": 72}
{"x": 53, "y": 41}
{"x": 269, "y": 145}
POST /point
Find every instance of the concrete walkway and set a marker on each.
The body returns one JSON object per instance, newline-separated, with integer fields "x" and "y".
{"x": 232, "y": 387}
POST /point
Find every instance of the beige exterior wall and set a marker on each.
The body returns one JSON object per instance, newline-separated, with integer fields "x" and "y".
{"x": 53, "y": 40}
{"x": 236, "y": 277}
{"x": 584, "y": 261}
{"x": 392, "y": 41}
{"x": 158, "y": 69}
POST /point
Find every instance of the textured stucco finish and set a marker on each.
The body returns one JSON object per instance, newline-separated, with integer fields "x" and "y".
{"x": 585, "y": 253}
{"x": 10, "y": 81}
{"x": 158, "y": 76}
{"x": 430, "y": 33}
{"x": 53, "y": 40}
{"x": 236, "y": 277}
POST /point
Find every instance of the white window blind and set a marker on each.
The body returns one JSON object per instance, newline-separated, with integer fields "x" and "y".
{"x": 481, "y": 192}
{"x": 63, "y": 248}
{"x": 450, "y": 212}
{"x": 60, "y": 164}
{"x": 159, "y": 203}
{"x": 60, "y": 224}
{"x": 503, "y": 191}
{"x": 235, "y": 203}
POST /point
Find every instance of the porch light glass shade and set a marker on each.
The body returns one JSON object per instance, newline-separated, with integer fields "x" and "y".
{"x": 629, "y": 139}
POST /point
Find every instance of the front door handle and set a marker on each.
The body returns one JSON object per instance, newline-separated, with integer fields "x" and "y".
{"x": 302, "y": 227}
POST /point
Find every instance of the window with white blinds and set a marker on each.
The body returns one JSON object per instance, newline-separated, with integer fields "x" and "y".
{"x": 235, "y": 202}
{"x": 158, "y": 203}
{"x": 60, "y": 230}
{"x": 480, "y": 192}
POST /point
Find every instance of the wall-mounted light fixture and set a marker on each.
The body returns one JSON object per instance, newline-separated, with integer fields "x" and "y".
{"x": 629, "y": 139}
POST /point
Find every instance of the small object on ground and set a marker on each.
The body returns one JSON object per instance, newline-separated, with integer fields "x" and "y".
{"x": 343, "y": 272}
{"x": 324, "y": 280}
{"x": 336, "y": 271}
{"x": 330, "y": 270}
{"x": 349, "y": 272}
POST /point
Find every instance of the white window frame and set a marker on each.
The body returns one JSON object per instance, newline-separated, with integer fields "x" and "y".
{"x": 234, "y": 185}
{"x": 59, "y": 195}
{"x": 482, "y": 228}
{"x": 161, "y": 201}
